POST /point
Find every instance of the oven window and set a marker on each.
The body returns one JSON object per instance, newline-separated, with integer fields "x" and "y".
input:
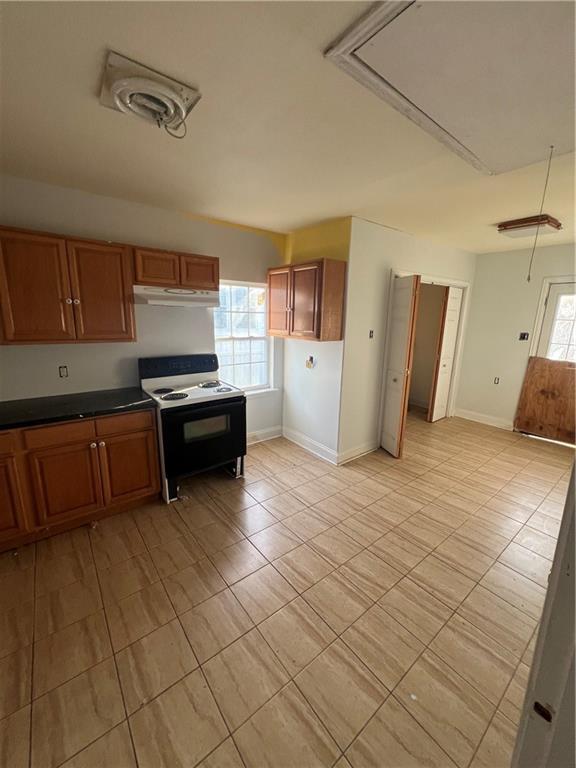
{"x": 205, "y": 428}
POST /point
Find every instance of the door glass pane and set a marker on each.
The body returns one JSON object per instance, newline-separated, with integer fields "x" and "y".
{"x": 561, "y": 332}
{"x": 566, "y": 307}
{"x": 557, "y": 352}
{"x": 571, "y": 353}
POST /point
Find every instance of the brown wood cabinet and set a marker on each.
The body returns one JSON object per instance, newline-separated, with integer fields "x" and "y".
{"x": 12, "y": 517}
{"x": 75, "y": 472}
{"x": 307, "y": 300}
{"x": 101, "y": 277}
{"x": 35, "y": 291}
{"x": 57, "y": 290}
{"x": 182, "y": 270}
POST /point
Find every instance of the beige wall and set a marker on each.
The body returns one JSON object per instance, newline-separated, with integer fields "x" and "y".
{"x": 428, "y": 324}
{"x": 503, "y": 304}
{"x": 30, "y": 371}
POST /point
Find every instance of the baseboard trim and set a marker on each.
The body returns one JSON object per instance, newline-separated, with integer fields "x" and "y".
{"x": 263, "y": 434}
{"x": 322, "y": 451}
{"x": 355, "y": 453}
{"x": 484, "y": 418}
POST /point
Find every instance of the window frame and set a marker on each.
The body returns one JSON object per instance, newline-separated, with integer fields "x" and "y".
{"x": 269, "y": 346}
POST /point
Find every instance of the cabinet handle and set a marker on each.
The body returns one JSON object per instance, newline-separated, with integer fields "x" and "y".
{"x": 68, "y": 301}
{"x": 101, "y": 443}
{"x": 92, "y": 445}
{"x": 76, "y": 301}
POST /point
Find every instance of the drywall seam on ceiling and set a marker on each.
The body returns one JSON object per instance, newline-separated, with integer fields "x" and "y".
{"x": 342, "y": 53}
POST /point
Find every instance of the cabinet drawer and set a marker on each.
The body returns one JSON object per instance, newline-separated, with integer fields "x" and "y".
{"x": 7, "y": 442}
{"x": 127, "y": 422}
{"x": 60, "y": 434}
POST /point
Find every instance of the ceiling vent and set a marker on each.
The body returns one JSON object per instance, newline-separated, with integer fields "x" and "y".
{"x": 135, "y": 89}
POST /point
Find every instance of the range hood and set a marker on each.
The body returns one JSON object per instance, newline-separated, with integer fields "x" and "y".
{"x": 175, "y": 297}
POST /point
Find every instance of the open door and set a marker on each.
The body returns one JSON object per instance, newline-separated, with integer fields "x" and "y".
{"x": 400, "y": 347}
{"x": 438, "y": 406}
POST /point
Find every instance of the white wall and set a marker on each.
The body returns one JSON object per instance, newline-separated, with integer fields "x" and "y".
{"x": 312, "y": 395}
{"x": 374, "y": 252}
{"x": 29, "y": 371}
{"x": 503, "y": 304}
{"x": 428, "y": 323}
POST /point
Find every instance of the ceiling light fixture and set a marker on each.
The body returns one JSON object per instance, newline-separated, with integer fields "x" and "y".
{"x": 527, "y": 226}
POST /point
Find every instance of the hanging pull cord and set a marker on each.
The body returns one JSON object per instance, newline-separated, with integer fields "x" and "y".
{"x": 529, "y": 275}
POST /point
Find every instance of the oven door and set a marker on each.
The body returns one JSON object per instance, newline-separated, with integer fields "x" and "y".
{"x": 201, "y": 436}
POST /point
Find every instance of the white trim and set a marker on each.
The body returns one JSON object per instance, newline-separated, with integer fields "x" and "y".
{"x": 343, "y": 53}
{"x": 263, "y": 434}
{"x": 311, "y": 445}
{"x": 355, "y": 453}
{"x": 547, "y": 282}
{"x": 485, "y": 418}
{"x": 462, "y": 323}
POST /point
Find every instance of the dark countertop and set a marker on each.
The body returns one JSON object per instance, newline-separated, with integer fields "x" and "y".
{"x": 44, "y": 410}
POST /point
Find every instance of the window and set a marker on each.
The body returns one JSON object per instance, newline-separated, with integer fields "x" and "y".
{"x": 240, "y": 330}
{"x": 562, "y": 344}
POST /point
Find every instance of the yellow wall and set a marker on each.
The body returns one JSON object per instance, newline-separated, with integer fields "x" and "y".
{"x": 329, "y": 239}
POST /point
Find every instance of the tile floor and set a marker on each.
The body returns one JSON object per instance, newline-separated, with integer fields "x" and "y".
{"x": 378, "y": 614}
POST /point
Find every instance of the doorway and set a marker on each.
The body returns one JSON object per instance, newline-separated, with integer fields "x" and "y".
{"x": 421, "y": 349}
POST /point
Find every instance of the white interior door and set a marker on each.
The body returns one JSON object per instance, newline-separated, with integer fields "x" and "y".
{"x": 399, "y": 350}
{"x": 558, "y": 333}
{"x": 445, "y": 362}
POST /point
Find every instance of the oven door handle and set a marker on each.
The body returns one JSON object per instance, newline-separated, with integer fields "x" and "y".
{"x": 201, "y": 411}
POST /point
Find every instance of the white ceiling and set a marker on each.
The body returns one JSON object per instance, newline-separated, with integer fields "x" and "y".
{"x": 280, "y": 139}
{"x": 496, "y": 76}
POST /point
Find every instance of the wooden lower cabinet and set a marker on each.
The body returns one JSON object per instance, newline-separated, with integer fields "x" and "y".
{"x": 66, "y": 482}
{"x": 74, "y": 472}
{"x": 129, "y": 466}
{"x": 12, "y": 518}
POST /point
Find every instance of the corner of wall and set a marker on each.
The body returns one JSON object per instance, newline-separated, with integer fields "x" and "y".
{"x": 329, "y": 240}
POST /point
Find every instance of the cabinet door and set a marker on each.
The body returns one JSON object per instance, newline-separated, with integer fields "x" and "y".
{"x": 156, "y": 267}
{"x": 35, "y": 295}
{"x": 129, "y": 466}
{"x": 101, "y": 278}
{"x": 305, "y": 301}
{"x": 202, "y": 272}
{"x": 279, "y": 301}
{"x": 12, "y": 520}
{"x": 67, "y": 483}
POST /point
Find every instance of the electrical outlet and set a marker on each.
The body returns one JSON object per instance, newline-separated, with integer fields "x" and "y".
{"x": 370, "y": 334}
{"x": 310, "y": 362}
{"x": 523, "y": 336}
{"x": 63, "y": 371}
{"x": 497, "y": 380}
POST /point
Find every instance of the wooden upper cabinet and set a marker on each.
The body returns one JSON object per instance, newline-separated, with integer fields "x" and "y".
{"x": 181, "y": 270}
{"x": 307, "y": 300}
{"x": 101, "y": 278}
{"x": 35, "y": 292}
{"x": 279, "y": 301}
{"x": 201, "y": 272}
{"x": 156, "y": 267}
{"x": 12, "y": 519}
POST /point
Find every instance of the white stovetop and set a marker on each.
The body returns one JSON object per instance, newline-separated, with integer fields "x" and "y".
{"x": 189, "y": 385}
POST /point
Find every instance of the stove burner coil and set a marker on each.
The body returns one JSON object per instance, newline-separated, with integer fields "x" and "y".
{"x": 163, "y": 391}
{"x": 175, "y": 396}
{"x": 209, "y": 384}
{"x": 224, "y": 389}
